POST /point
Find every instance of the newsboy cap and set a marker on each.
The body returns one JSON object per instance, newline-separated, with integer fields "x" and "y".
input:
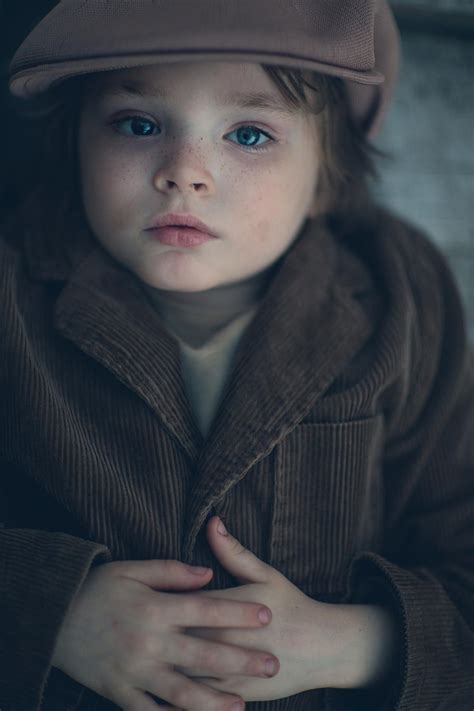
{"x": 356, "y": 40}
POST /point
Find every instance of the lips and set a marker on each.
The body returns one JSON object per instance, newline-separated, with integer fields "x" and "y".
{"x": 180, "y": 236}
{"x": 181, "y": 220}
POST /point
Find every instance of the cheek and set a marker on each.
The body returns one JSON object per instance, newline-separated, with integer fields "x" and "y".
{"x": 272, "y": 206}
{"x": 263, "y": 231}
{"x": 105, "y": 172}
{"x": 109, "y": 187}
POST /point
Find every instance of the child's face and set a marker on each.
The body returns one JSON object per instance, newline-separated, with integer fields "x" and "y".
{"x": 186, "y": 154}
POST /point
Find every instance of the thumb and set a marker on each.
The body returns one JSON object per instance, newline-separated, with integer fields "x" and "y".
{"x": 239, "y": 561}
{"x": 163, "y": 574}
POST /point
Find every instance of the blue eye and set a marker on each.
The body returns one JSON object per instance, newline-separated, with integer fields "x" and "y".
{"x": 244, "y": 132}
{"x": 142, "y": 127}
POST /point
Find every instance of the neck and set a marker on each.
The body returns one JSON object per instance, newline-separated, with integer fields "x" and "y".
{"x": 196, "y": 316}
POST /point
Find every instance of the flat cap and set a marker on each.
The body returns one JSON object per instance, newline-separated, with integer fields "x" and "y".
{"x": 356, "y": 40}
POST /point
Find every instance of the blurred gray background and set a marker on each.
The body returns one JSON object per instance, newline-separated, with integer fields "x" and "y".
{"x": 430, "y": 132}
{"x": 429, "y": 129}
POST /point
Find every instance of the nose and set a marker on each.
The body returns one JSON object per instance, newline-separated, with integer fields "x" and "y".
{"x": 165, "y": 185}
{"x": 183, "y": 172}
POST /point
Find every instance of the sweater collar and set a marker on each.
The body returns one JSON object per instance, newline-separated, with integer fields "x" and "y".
{"x": 195, "y": 317}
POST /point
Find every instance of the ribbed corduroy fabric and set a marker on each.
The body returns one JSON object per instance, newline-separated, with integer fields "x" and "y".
{"x": 341, "y": 453}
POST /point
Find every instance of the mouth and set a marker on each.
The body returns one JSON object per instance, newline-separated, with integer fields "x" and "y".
{"x": 179, "y": 236}
{"x": 179, "y": 221}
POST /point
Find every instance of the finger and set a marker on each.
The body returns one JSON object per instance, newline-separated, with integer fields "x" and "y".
{"x": 233, "y": 684}
{"x": 219, "y": 684}
{"x": 202, "y": 611}
{"x": 140, "y": 701}
{"x": 239, "y": 561}
{"x": 247, "y": 688}
{"x": 188, "y": 694}
{"x": 214, "y": 658}
{"x": 164, "y": 574}
{"x": 159, "y": 702}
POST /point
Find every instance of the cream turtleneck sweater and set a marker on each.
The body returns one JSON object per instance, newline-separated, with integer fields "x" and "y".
{"x": 208, "y": 326}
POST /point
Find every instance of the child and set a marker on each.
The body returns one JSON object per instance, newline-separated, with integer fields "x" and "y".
{"x": 292, "y": 360}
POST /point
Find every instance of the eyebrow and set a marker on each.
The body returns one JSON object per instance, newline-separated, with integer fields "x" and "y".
{"x": 248, "y": 100}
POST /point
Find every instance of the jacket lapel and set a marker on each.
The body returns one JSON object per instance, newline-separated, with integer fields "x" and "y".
{"x": 105, "y": 312}
{"x": 308, "y": 327}
{"x": 103, "y": 309}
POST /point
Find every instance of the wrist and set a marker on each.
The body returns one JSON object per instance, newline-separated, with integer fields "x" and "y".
{"x": 370, "y": 646}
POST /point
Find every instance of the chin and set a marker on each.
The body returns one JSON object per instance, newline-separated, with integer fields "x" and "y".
{"x": 168, "y": 283}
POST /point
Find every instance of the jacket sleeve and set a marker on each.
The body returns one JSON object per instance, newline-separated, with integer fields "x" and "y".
{"x": 40, "y": 573}
{"x": 44, "y": 560}
{"x": 424, "y": 575}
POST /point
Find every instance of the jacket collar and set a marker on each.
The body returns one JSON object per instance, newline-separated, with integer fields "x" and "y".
{"x": 309, "y": 326}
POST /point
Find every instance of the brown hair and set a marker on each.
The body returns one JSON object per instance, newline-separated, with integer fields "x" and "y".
{"x": 348, "y": 156}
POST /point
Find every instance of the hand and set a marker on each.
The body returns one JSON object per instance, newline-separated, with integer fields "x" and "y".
{"x": 305, "y": 635}
{"x": 121, "y": 638}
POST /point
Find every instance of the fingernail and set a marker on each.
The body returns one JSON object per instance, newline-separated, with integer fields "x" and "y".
{"x": 264, "y": 615}
{"x": 238, "y": 706}
{"x": 196, "y": 570}
{"x": 222, "y": 529}
{"x": 270, "y": 667}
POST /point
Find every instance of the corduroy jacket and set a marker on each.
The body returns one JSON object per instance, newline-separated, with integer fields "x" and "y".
{"x": 341, "y": 453}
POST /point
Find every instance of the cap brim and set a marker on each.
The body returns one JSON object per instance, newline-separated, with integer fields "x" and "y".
{"x": 27, "y": 82}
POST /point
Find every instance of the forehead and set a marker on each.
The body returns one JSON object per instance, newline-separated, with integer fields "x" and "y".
{"x": 227, "y": 84}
